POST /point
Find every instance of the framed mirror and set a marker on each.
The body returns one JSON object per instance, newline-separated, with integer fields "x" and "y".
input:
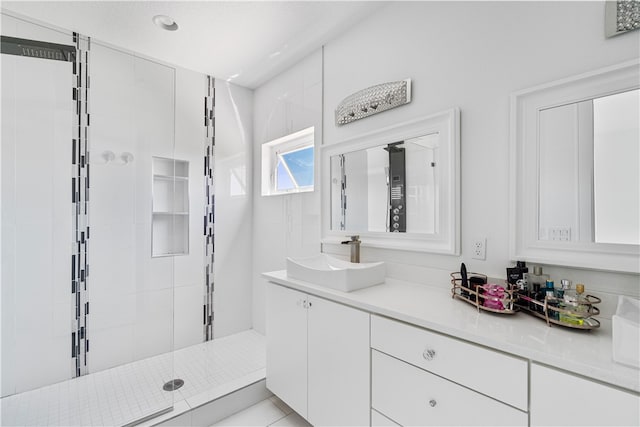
{"x": 575, "y": 175}
{"x": 398, "y": 187}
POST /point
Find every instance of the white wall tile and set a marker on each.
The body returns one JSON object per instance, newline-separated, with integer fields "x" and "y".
{"x": 233, "y": 209}
{"x": 115, "y": 310}
{"x": 113, "y": 266}
{"x": 111, "y": 346}
{"x": 33, "y": 370}
{"x": 153, "y": 330}
{"x": 188, "y": 315}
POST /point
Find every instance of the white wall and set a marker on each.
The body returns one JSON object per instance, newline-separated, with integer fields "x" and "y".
{"x": 233, "y": 204}
{"x": 470, "y": 55}
{"x": 284, "y": 225}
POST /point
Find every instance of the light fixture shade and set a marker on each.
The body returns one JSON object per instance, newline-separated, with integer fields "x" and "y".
{"x": 621, "y": 16}
{"x": 372, "y": 100}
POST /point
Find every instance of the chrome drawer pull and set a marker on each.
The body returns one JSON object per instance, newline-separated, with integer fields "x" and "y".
{"x": 433, "y": 402}
{"x": 429, "y": 354}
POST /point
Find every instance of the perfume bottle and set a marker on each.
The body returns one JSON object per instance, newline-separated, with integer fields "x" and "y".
{"x": 571, "y": 319}
{"x": 569, "y": 296}
{"x": 537, "y": 277}
{"x": 564, "y": 285}
{"x": 516, "y": 273}
{"x": 533, "y": 294}
{"x": 540, "y": 296}
{"x": 522, "y": 291}
{"x": 581, "y": 300}
{"x": 523, "y": 267}
{"x": 571, "y": 302}
{"x": 551, "y": 300}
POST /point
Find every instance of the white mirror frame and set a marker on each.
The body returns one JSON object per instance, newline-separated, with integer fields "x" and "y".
{"x": 525, "y": 115}
{"x": 447, "y": 240}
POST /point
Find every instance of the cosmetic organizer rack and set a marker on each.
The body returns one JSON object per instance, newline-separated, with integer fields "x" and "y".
{"x": 480, "y": 298}
{"x": 570, "y": 318}
{"x": 579, "y": 317}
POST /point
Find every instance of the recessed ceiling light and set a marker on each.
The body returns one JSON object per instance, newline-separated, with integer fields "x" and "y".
{"x": 165, "y": 22}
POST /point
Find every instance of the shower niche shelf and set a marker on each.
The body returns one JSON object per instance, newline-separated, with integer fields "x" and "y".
{"x": 170, "y": 215}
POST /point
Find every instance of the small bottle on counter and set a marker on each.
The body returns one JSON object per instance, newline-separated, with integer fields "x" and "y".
{"x": 564, "y": 285}
{"x": 533, "y": 294}
{"x": 514, "y": 274}
{"x": 542, "y": 293}
{"x": 569, "y": 296}
{"x": 578, "y": 304}
{"x": 537, "y": 277}
{"x": 581, "y": 300}
{"x": 550, "y": 298}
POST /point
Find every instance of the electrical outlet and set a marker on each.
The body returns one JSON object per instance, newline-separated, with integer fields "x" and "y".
{"x": 479, "y": 250}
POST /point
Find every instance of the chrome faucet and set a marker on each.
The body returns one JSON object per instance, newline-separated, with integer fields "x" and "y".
{"x": 355, "y": 247}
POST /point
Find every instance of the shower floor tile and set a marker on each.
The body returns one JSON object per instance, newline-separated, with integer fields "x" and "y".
{"x": 126, "y": 393}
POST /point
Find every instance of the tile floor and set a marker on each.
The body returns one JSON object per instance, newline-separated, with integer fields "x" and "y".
{"x": 126, "y": 393}
{"x": 269, "y": 412}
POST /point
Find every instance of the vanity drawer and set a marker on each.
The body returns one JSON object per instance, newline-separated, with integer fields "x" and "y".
{"x": 414, "y": 397}
{"x": 492, "y": 373}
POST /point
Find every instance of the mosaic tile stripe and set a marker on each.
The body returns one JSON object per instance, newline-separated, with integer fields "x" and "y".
{"x": 80, "y": 200}
{"x": 209, "y": 219}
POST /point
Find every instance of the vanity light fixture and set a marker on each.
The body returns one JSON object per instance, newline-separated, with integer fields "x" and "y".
{"x": 165, "y": 22}
{"x": 621, "y": 16}
{"x": 372, "y": 100}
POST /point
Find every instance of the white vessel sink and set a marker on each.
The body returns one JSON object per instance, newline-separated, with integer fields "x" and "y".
{"x": 335, "y": 273}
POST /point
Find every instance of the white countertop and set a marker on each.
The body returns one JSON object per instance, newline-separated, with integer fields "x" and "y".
{"x": 587, "y": 353}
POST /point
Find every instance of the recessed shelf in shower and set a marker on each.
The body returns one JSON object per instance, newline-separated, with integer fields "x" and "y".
{"x": 170, "y": 215}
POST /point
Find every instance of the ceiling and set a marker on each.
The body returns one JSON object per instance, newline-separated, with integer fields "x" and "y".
{"x": 246, "y": 42}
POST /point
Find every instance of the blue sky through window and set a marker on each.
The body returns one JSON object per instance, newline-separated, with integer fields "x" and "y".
{"x": 300, "y": 164}
{"x": 284, "y": 181}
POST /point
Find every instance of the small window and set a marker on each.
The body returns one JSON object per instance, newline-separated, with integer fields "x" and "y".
{"x": 288, "y": 164}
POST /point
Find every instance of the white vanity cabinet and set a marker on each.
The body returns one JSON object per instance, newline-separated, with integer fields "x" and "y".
{"x": 560, "y": 398}
{"x": 423, "y": 378}
{"x": 318, "y": 357}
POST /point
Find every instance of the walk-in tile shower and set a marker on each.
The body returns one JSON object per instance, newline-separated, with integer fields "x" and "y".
{"x": 107, "y": 226}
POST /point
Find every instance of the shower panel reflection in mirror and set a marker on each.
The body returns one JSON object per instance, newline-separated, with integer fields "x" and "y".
{"x": 388, "y": 188}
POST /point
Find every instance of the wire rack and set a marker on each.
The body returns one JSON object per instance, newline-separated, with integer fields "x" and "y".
{"x": 554, "y": 311}
{"x": 477, "y": 296}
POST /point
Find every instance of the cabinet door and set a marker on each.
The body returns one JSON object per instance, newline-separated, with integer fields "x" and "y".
{"x": 286, "y": 324}
{"x": 338, "y": 364}
{"x": 559, "y": 398}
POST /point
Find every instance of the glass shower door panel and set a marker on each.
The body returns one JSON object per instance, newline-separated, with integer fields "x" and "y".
{"x": 132, "y": 293}
{"x": 37, "y": 114}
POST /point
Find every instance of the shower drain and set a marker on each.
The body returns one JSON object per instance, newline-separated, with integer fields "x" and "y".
{"x": 173, "y": 385}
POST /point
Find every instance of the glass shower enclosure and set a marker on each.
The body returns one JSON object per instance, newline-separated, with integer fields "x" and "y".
{"x": 87, "y": 309}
